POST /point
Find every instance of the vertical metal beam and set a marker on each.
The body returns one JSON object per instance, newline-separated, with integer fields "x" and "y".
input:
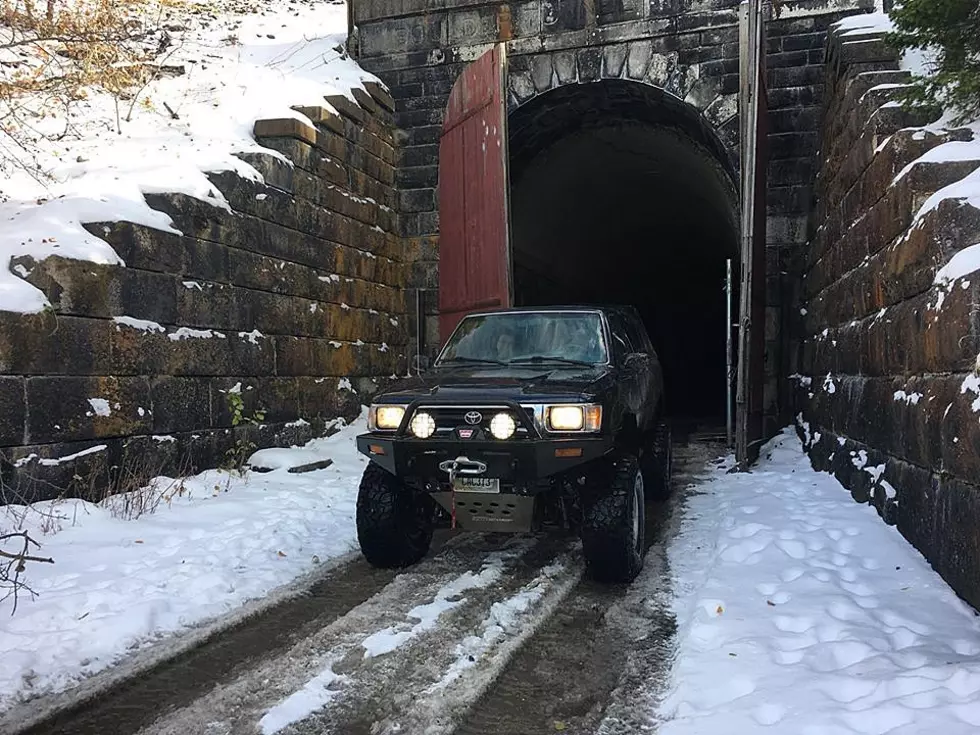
{"x": 729, "y": 356}
{"x": 750, "y": 48}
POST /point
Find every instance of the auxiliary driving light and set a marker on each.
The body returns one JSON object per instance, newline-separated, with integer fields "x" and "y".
{"x": 503, "y": 426}
{"x": 423, "y": 425}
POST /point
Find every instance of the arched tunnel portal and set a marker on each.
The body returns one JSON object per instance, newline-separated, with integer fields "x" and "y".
{"x": 622, "y": 193}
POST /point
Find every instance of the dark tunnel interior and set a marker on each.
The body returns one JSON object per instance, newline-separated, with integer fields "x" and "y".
{"x": 620, "y": 193}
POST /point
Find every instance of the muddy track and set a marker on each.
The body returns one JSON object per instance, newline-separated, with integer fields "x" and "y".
{"x": 368, "y": 689}
{"x": 178, "y": 682}
{"x": 599, "y": 662}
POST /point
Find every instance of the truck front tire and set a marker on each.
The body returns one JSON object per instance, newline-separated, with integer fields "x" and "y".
{"x": 613, "y": 524}
{"x": 394, "y": 525}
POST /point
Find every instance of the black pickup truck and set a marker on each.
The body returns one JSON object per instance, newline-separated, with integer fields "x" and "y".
{"x": 528, "y": 419}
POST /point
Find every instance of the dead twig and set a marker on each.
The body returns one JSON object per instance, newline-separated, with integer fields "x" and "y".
{"x": 11, "y": 571}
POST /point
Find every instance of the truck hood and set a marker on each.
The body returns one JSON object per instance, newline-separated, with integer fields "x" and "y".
{"x": 526, "y": 384}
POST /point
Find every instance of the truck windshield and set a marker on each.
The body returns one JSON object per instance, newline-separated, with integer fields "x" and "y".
{"x": 528, "y": 336}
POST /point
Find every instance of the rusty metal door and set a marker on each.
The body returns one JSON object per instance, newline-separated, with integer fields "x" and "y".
{"x": 474, "y": 236}
{"x": 754, "y": 163}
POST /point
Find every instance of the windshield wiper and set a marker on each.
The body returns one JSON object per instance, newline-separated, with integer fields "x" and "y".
{"x": 550, "y": 358}
{"x": 473, "y": 359}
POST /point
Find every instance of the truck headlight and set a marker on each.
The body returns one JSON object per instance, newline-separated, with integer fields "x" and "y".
{"x": 385, "y": 418}
{"x": 579, "y": 417}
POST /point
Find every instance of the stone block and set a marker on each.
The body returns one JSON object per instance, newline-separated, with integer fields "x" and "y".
{"x": 81, "y": 288}
{"x": 180, "y": 404}
{"x": 274, "y": 171}
{"x": 47, "y": 344}
{"x": 13, "y": 410}
{"x": 69, "y": 408}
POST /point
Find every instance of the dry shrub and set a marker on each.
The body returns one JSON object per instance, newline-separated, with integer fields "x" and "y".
{"x": 56, "y": 53}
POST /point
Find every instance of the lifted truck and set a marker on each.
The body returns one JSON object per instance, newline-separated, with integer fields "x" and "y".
{"x": 529, "y": 419}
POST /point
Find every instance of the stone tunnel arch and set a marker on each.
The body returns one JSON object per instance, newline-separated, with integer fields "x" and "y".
{"x": 622, "y": 191}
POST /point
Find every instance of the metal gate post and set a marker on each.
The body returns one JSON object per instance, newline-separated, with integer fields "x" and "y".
{"x": 750, "y": 49}
{"x": 729, "y": 357}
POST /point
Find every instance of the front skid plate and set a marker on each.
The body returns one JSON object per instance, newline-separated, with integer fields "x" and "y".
{"x": 501, "y": 512}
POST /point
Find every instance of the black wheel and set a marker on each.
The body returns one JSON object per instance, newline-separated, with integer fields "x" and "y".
{"x": 657, "y": 463}
{"x": 613, "y": 524}
{"x": 394, "y": 525}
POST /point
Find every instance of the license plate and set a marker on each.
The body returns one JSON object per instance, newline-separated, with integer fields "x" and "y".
{"x": 476, "y": 485}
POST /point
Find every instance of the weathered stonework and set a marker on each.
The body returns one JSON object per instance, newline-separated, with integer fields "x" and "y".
{"x": 687, "y": 48}
{"x": 295, "y": 296}
{"x": 887, "y": 358}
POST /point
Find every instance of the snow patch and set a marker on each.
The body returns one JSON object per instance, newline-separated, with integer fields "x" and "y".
{"x": 144, "y": 325}
{"x": 965, "y": 262}
{"x": 972, "y": 384}
{"x": 828, "y": 384}
{"x": 254, "y": 336}
{"x": 505, "y": 618}
{"x": 189, "y": 333}
{"x": 446, "y": 599}
{"x": 314, "y": 695}
{"x": 909, "y": 398}
{"x": 876, "y": 472}
{"x": 859, "y": 458}
{"x": 100, "y": 406}
{"x": 863, "y": 23}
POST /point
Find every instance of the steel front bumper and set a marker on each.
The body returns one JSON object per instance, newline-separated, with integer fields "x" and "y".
{"x": 525, "y": 460}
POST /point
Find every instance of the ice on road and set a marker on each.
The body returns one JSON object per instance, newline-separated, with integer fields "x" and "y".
{"x": 800, "y": 611}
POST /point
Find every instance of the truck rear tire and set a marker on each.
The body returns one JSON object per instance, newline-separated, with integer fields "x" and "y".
{"x": 657, "y": 463}
{"x": 613, "y": 525}
{"x": 394, "y": 525}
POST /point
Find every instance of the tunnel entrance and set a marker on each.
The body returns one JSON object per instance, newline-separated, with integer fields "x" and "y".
{"x": 621, "y": 193}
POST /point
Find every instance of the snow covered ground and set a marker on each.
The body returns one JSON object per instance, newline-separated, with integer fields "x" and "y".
{"x": 241, "y": 60}
{"x": 800, "y": 611}
{"x": 118, "y": 585}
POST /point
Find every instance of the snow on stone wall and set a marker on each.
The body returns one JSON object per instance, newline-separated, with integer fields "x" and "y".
{"x": 890, "y": 312}
{"x": 293, "y": 288}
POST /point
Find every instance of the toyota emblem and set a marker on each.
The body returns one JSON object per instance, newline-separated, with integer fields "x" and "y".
{"x": 473, "y": 418}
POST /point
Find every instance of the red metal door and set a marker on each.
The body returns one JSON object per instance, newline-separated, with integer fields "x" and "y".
{"x": 474, "y": 247}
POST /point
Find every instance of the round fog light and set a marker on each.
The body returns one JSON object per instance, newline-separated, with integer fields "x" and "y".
{"x": 423, "y": 425}
{"x": 503, "y": 426}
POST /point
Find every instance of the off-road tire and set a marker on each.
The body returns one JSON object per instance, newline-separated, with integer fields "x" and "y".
{"x": 613, "y": 520}
{"x": 657, "y": 463}
{"x": 394, "y": 525}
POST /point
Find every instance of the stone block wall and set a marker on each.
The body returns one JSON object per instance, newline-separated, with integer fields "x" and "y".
{"x": 292, "y": 295}
{"x": 887, "y": 384}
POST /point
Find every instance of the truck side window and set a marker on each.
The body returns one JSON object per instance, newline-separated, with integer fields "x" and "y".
{"x": 621, "y": 342}
{"x": 635, "y": 333}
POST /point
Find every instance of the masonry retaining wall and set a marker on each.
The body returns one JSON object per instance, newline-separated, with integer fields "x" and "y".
{"x": 887, "y": 384}
{"x": 294, "y": 296}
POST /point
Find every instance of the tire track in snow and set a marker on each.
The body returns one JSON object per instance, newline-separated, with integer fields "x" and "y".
{"x": 427, "y": 685}
{"x": 361, "y": 688}
{"x": 599, "y": 662}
